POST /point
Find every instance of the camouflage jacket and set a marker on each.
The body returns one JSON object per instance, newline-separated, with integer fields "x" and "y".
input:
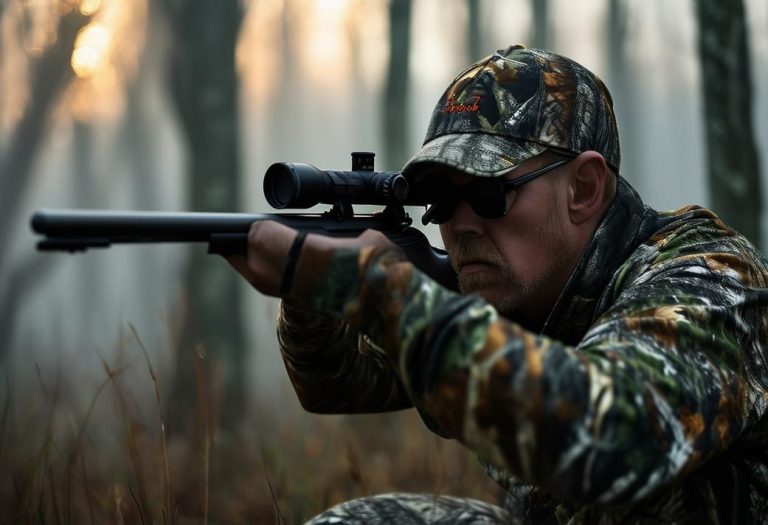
{"x": 643, "y": 400}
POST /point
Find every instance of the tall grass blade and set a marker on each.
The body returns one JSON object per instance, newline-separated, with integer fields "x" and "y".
{"x": 167, "y": 471}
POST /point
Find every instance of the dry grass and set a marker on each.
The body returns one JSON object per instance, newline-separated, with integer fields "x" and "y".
{"x": 116, "y": 462}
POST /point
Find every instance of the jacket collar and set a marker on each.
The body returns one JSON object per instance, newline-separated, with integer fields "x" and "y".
{"x": 625, "y": 225}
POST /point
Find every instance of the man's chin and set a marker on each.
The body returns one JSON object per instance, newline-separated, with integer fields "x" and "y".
{"x": 488, "y": 292}
{"x": 473, "y": 287}
{"x": 496, "y": 292}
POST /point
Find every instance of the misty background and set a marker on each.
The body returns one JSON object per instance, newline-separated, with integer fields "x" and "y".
{"x": 181, "y": 105}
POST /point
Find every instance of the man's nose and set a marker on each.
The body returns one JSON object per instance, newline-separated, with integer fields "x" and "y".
{"x": 465, "y": 221}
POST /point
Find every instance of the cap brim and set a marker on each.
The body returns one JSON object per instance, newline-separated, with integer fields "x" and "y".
{"x": 479, "y": 154}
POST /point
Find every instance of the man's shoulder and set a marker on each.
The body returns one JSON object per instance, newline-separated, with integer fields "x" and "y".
{"x": 692, "y": 250}
{"x": 696, "y": 237}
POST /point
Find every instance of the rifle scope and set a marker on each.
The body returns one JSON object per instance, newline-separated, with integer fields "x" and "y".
{"x": 297, "y": 185}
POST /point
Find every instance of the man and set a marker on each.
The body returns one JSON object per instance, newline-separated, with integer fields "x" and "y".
{"x": 606, "y": 362}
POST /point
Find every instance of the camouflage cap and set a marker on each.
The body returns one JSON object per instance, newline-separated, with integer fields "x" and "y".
{"x": 513, "y": 105}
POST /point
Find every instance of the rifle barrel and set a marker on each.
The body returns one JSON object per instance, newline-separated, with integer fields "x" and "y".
{"x": 225, "y": 233}
{"x": 77, "y": 230}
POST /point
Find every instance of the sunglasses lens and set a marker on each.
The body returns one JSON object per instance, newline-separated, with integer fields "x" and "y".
{"x": 488, "y": 199}
{"x": 439, "y": 213}
{"x": 486, "y": 196}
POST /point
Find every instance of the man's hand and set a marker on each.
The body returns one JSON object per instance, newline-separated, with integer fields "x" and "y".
{"x": 269, "y": 243}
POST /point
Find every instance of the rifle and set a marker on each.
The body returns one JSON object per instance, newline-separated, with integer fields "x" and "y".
{"x": 286, "y": 185}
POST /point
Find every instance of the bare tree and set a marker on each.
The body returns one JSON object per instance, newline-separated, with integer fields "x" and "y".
{"x": 540, "y": 34}
{"x": 50, "y": 73}
{"x": 135, "y": 142}
{"x": 475, "y": 49}
{"x": 621, "y": 83}
{"x": 726, "y": 80}
{"x": 396, "y": 92}
{"x": 205, "y": 90}
{"x": 284, "y": 112}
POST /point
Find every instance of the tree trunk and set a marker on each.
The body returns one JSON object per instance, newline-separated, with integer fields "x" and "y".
{"x": 475, "y": 49}
{"x": 396, "y": 95}
{"x": 284, "y": 112}
{"x": 734, "y": 180}
{"x": 621, "y": 84}
{"x": 205, "y": 89}
{"x": 137, "y": 144}
{"x": 49, "y": 75}
{"x": 540, "y": 35}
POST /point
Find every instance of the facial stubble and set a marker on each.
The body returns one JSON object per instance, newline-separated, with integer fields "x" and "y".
{"x": 507, "y": 291}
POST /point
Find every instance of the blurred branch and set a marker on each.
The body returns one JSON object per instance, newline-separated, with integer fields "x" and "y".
{"x": 726, "y": 82}
{"x": 50, "y": 73}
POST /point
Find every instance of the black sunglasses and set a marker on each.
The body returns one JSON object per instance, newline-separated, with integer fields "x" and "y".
{"x": 486, "y": 195}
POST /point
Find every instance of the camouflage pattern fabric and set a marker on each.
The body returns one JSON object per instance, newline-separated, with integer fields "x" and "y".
{"x": 412, "y": 509}
{"x": 511, "y": 106}
{"x": 643, "y": 400}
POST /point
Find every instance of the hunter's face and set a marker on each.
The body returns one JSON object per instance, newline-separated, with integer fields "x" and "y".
{"x": 521, "y": 261}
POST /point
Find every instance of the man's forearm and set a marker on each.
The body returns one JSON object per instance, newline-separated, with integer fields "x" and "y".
{"x": 332, "y": 367}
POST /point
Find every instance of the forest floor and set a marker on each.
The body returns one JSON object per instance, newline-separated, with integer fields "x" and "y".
{"x": 117, "y": 460}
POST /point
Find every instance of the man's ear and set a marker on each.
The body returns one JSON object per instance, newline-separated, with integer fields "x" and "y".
{"x": 586, "y": 186}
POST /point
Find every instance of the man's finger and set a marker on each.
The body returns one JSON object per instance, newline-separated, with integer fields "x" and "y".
{"x": 240, "y": 263}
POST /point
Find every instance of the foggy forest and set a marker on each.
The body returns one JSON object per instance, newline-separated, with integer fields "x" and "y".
{"x": 142, "y": 383}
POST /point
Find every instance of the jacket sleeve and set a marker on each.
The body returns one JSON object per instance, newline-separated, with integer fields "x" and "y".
{"x": 660, "y": 384}
{"x": 333, "y": 368}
